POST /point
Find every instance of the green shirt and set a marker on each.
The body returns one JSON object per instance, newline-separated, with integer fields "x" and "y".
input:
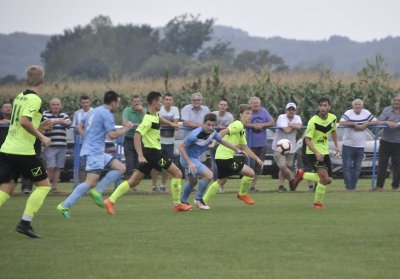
{"x": 19, "y": 141}
{"x": 319, "y": 130}
{"x": 133, "y": 116}
{"x": 150, "y": 131}
{"x": 236, "y": 136}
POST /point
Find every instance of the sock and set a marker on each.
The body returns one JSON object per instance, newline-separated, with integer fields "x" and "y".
{"x": 176, "y": 190}
{"x": 187, "y": 190}
{"x": 311, "y": 176}
{"x": 211, "y": 191}
{"x": 110, "y": 177}
{"x": 121, "y": 190}
{"x": 3, "y": 197}
{"x": 35, "y": 201}
{"x": 201, "y": 189}
{"x": 76, "y": 194}
{"x": 245, "y": 184}
{"x": 319, "y": 193}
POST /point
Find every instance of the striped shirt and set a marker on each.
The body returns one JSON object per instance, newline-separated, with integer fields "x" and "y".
{"x": 352, "y": 137}
{"x": 58, "y": 134}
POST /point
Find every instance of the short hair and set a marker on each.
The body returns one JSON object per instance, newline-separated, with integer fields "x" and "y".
{"x": 110, "y": 96}
{"x": 210, "y": 117}
{"x": 136, "y": 97}
{"x": 224, "y": 99}
{"x": 357, "y": 100}
{"x": 197, "y": 94}
{"x": 243, "y": 108}
{"x": 168, "y": 95}
{"x": 34, "y": 75}
{"x": 54, "y": 100}
{"x": 324, "y": 99}
{"x": 396, "y": 95}
{"x": 254, "y": 98}
{"x": 153, "y": 95}
{"x": 84, "y": 97}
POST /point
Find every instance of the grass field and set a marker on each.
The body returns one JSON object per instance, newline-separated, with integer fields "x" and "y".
{"x": 281, "y": 236}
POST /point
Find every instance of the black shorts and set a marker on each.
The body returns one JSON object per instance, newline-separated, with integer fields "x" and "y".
{"x": 155, "y": 160}
{"x": 326, "y": 164}
{"x": 29, "y": 166}
{"x": 228, "y": 167}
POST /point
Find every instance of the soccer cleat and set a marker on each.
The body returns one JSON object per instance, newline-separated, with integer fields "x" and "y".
{"x": 97, "y": 197}
{"x": 297, "y": 179}
{"x": 318, "y": 205}
{"x": 221, "y": 189}
{"x": 246, "y": 199}
{"x": 109, "y": 206}
{"x": 182, "y": 207}
{"x": 154, "y": 189}
{"x": 27, "y": 230}
{"x": 201, "y": 204}
{"x": 64, "y": 211}
{"x": 162, "y": 189}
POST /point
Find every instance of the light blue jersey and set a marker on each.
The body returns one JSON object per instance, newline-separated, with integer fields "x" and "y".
{"x": 98, "y": 122}
{"x": 197, "y": 142}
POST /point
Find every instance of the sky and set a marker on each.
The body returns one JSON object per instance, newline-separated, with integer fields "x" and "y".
{"x": 360, "y": 20}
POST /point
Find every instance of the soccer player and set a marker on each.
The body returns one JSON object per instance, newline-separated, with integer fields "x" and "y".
{"x": 98, "y": 124}
{"x": 191, "y": 149}
{"x": 226, "y": 163}
{"x": 17, "y": 155}
{"x": 150, "y": 156}
{"x": 319, "y": 128}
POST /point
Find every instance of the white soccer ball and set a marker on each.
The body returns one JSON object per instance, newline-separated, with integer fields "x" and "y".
{"x": 283, "y": 146}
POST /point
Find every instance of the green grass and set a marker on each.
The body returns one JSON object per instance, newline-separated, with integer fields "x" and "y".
{"x": 281, "y": 236}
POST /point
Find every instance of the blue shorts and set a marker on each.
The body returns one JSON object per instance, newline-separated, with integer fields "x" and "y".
{"x": 97, "y": 163}
{"x": 200, "y": 166}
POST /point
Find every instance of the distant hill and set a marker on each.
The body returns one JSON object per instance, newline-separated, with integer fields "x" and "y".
{"x": 340, "y": 54}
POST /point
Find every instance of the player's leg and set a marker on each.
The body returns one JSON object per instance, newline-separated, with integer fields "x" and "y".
{"x": 245, "y": 182}
{"x": 324, "y": 172}
{"x": 213, "y": 189}
{"x": 117, "y": 169}
{"x": 6, "y": 190}
{"x": 190, "y": 183}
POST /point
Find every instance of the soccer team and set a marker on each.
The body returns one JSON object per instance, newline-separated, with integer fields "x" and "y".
{"x": 17, "y": 155}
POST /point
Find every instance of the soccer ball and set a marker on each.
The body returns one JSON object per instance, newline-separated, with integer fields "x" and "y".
{"x": 283, "y": 146}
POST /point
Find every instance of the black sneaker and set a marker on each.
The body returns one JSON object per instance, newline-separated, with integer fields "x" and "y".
{"x": 27, "y": 230}
{"x": 282, "y": 188}
{"x": 291, "y": 185}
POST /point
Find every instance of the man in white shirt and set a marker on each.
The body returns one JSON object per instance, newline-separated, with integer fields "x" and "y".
{"x": 356, "y": 121}
{"x": 193, "y": 114}
{"x": 288, "y": 124}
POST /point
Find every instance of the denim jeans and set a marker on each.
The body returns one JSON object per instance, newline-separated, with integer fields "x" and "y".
{"x": 352, "y": 158}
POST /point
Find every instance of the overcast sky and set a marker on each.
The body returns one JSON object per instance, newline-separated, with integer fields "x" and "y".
{"x": 360, "y": 20}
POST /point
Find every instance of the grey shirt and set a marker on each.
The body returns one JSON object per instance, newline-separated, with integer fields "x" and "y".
{"x": 390, "y": 135}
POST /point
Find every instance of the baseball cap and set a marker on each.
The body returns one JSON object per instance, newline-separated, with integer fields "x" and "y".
{"x": 291, "y": 105}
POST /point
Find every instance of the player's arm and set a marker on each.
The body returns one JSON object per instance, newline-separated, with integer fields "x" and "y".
{"x": 251, "y": 154}
{"x": 137, "y": 141}
{"x": 182, "y": 150}
{"x": 117, "y": 133}
{"x": 310, "y": 145}
{"x": 231, "y": 146}
{"x": 26, "y": 123}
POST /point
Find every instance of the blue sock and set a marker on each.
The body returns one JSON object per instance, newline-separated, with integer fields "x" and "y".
{"x": 202, "y": 188}
{"x": 78, "y": 192}
{"x": 110, "y": 177}
{"x": 187, "y": 189}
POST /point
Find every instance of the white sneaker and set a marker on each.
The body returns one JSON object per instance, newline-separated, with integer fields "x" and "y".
{"x": 201, "y": 204}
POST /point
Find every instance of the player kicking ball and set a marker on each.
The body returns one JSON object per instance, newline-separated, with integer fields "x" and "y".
{"x": 226, "y": 163}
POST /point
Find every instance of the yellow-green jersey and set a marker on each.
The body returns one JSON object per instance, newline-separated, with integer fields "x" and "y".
{"x": 149, "y": 128}
{"x": 236, "y": 136}
{"x": 19, "y": 141}
{"x": 319, "y": 130}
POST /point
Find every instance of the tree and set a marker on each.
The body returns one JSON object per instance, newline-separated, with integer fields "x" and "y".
{"x": 186, "y": 34}
{"x": 221, "y": 51}
{"x": 255, "y": 61}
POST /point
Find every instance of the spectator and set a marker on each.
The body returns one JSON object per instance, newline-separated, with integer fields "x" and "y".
{"x": 390, "y": 144}
{"x": 134, "y": 114}
{"x": 193, "y": 114}
{"x": 288, "y": 124}
{"x": 170, "y": 113}
{"x": 84, "y": 102}
{"x": 54, "y": 155}
{"x": 257, "y": 134}
{"x": 5, "y": 118}
{"x": 356, "y": 121}
{"x": 224, "y": 118}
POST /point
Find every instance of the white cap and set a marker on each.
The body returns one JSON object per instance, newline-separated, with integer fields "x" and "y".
{"x": 291, "y": 105}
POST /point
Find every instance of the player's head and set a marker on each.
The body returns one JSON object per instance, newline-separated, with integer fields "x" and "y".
{"x": 324, "y": 105}
{"x": 154, "y": 99}
{"x": 245, "y": 113}
{"x": 34, "y": 76}
{"x": 111, "y": 99}
{"x": 209, "y": 122}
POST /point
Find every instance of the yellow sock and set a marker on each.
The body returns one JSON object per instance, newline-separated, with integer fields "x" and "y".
{"x": 3, "y": 197}
{"x": 311, "y": 176}
{"x": 319, "y": 193}
{"x": 120, "y": 191}
{"x": 176, "y": 190}
{"x": 211, "y": 191}
{"x": 35, "y": 200}
{"x": 245, "y": 184}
